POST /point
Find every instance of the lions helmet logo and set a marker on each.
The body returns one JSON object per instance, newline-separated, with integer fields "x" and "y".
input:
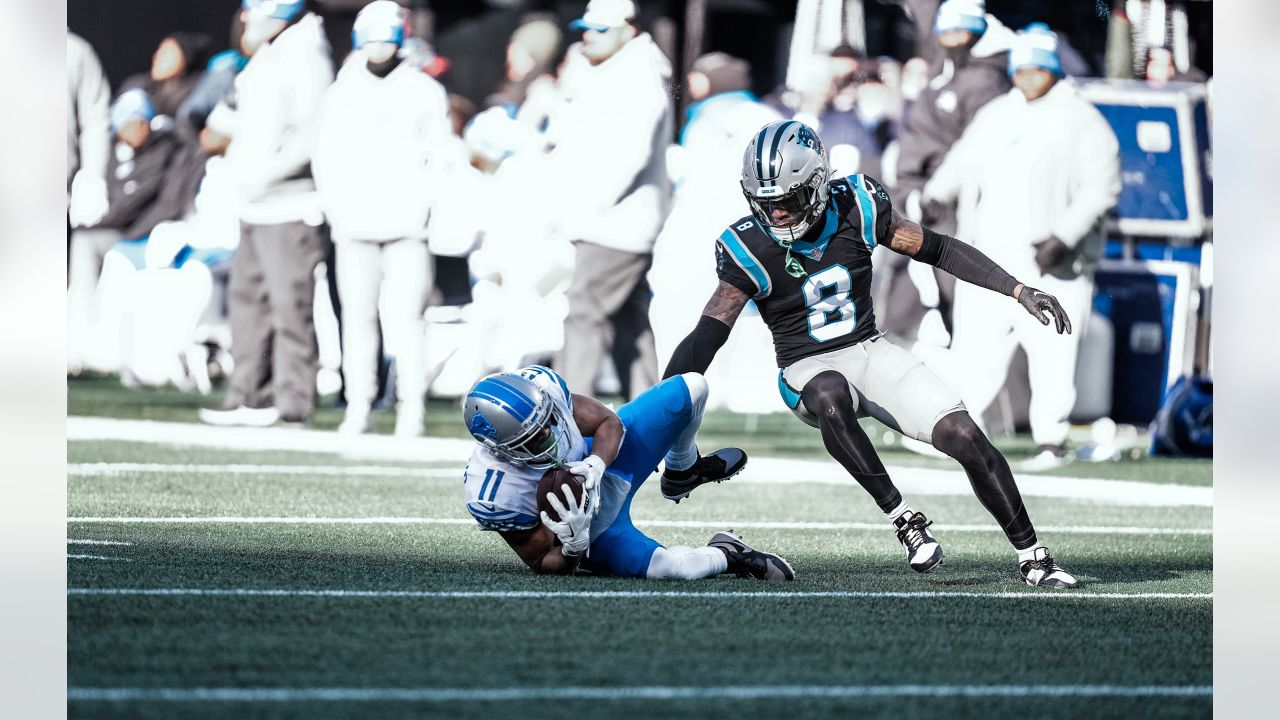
{"x": 480, "y": 425}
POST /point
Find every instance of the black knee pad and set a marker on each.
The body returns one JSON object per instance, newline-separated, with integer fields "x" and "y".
{"x": 828, "y": 395}
{"x": 957, "y": 435}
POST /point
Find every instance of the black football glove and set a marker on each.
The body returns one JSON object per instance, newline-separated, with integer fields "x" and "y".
{"x": 1050, "y": 253}
{"x": 1044, "y": 306}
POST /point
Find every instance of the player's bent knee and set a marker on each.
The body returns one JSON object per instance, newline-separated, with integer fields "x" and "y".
{"x": 957, "y": 435}
{"x": 828, "y": 397}
{"x": 698, "y": 389}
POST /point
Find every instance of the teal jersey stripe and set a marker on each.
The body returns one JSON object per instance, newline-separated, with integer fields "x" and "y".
{"x": 747, "y": 261}
{"x": 832, "y": 223}
{"x": 868, "y": 208}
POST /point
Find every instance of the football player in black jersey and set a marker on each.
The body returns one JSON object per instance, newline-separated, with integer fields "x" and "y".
{"x": 804, "y": 257}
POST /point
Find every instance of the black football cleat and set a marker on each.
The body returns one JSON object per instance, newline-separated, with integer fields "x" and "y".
{"x": 1044, "y": 572}
{"x": 746, "y": 562}
{"x": 716, "y": 467}
{"x": 923, "y": 552}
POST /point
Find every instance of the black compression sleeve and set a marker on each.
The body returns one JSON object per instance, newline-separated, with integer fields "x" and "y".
{"x": 964, "y": 261}
{"x": 698, "y": 349}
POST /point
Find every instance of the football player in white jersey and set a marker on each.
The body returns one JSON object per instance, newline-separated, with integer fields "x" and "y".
{"x": 527, "y": 422}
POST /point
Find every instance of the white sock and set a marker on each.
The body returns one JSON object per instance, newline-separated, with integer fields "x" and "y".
{"x": 1029, "y": 553}
{"x": 686, "y": 563}
{"x": 902, "y": 509}
{"x": 684, "y": 451}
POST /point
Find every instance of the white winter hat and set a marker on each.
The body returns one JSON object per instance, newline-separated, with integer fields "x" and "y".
{"x": 602, "y": 15}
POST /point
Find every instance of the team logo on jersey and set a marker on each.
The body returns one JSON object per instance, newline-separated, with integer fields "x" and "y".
{"x": 480, "y": 425}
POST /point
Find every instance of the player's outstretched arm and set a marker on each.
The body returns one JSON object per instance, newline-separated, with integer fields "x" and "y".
{"x": 971, "y": 265}
{"x": 699, "y": 348}
{"x": 539, "y": 550}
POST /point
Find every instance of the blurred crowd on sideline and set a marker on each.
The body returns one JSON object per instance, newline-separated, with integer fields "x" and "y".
{"x": 270, "y": 217}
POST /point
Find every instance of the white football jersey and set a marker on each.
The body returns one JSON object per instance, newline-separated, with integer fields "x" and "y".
{"x": 502, "y": 496}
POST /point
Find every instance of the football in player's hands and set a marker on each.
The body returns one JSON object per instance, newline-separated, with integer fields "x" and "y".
{"x": 551, "y": 482}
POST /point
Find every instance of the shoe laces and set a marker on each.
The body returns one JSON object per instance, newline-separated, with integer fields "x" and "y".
{"x": 913, "y": 531}
{"x": 710, "y": 466}
{"x": 1045, "y": 564}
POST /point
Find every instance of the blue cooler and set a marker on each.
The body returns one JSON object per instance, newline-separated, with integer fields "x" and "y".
{"x": 1165, "y": 159}
{"x": 1152, "y": 306}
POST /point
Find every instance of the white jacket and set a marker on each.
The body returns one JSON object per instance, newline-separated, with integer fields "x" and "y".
{"x": 88, "y": 101}
{"x": 378, "y": 147}
{"x": 1024, "y": 171}
{"x": 607, "y": 170}
{"x": 272, "y": 126}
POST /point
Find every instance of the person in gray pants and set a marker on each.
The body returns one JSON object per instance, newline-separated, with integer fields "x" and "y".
{"x": 271, "y": 293}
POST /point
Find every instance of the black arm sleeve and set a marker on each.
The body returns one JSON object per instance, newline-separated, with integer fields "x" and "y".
{"x": 698, "y": 349}
{"x": 965, "y": 261}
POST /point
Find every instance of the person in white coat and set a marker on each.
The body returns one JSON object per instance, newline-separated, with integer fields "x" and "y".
{"x": 88, "y": 134}
{"x": 608, "y": 175}
{"x": 1034, "y": 173}
{"x": 271, "y": 123}
{"x": 381, "y": 126}
{"x": 707, "y": 164}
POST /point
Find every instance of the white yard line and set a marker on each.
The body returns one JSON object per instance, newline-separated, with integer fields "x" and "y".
{"x": 651, "y": 692}
{"x": 372, "y": 447}
{"x": 612, "y": 594}
{"x": 104, "y": 470}
{"x": 96, "y": 557}
{"x": 98, "y": 542}
{"x": 761, "y": 470}
{"x": 721, "y": 524}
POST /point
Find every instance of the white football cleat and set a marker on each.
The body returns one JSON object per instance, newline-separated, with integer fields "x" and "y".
{"x": 923, "y": 552}
{"x": 1042, "y": 571}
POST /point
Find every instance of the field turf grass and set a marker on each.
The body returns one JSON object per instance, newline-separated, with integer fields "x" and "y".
{"x": 416, "y": 614}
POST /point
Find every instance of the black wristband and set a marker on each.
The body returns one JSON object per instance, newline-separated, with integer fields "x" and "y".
{"x": 698, "y": 349}
{"x": 964, "y": 261}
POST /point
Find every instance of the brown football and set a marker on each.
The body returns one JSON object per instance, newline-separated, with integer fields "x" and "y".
{"x": 551, "y": 481}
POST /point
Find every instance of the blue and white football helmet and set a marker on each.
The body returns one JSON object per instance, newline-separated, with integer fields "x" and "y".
{"x": 275, "y": 9}
{"x": 517, "y": 421}
{"x": 380, "y": 21}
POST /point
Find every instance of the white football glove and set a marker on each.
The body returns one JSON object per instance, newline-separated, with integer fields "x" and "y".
{"x": 590, "y": 469}
{"x": 88, "y": 203}
{"x": 574, "y": 527}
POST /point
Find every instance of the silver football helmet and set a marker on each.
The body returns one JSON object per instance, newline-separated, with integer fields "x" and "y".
{"x": 784, "y": 177}
{"x": 517, "y": 421}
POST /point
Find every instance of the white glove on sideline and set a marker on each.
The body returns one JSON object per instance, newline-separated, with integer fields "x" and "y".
{"x": 88, "y": 202}
{"x": 590, "y": 469}
{"x": 574, "y": 527}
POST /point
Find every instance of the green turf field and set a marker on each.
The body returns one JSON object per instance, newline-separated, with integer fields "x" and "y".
{"x": 215, "y": 582}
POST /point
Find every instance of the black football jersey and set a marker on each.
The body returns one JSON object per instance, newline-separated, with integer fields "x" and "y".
{"x": 829, "y": 307}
